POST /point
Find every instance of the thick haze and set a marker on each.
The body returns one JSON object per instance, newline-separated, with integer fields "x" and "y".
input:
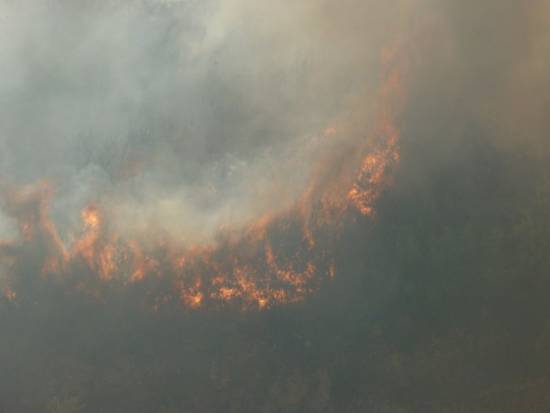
{"x": 184, "y": 115}
{"x": 491, "y": 60}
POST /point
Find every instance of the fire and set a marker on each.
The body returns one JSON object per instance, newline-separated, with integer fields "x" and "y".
{"x": 192, "y": 296}
{"x": 247, "y": 267}
{"x": 376, "y": 166}
{"x": 90, "y": 216}
{"x": 9, "y": 294}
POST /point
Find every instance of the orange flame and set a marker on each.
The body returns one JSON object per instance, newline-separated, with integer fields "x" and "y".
{"x": 245, "y": 267}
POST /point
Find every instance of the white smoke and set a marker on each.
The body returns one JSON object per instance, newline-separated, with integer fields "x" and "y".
{"x": 181, "y": 114}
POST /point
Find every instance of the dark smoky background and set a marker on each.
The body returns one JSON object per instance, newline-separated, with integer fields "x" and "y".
{"x": 440, "y": 301}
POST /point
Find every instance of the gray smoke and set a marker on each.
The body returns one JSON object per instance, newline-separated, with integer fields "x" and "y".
{"x": 186, "y": 115}
{"x": 182, "y": 115}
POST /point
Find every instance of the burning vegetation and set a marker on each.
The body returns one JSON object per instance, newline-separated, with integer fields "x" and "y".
{"x": 282, "y": 257}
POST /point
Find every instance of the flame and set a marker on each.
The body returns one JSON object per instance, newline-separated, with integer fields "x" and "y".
{"x": 377, "y": 165}
{"x": 192, "y": 295}
{"x": 90, "y": 217}
{"x": 9, "y": 294}
{"x": 98, "y": 253}
{"x": 244, "y": 267}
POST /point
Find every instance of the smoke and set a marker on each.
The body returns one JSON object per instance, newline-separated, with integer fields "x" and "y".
{"x": 487, "y": 63}
{"x": 183, "y": 115}
{"x": 181, "y": 120}
{"x": 147, "y": 148}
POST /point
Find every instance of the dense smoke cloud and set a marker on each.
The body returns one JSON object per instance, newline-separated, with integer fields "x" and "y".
{"x": 184, "y": 115}
{"x": 187, "y": 117}
{"x": 490, "y": 62}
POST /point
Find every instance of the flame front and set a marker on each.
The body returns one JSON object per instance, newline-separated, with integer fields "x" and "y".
{"x": 246, "y": 267}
